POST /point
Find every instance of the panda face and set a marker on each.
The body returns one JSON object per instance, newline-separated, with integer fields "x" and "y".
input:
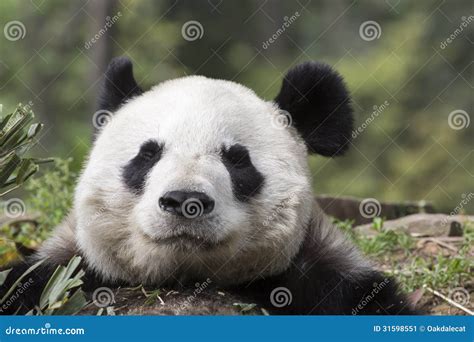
{"x": 192, "y": 173}
{"x": 198, "y": 177}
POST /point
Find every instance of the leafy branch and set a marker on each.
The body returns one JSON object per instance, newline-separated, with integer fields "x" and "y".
{"x": 17, "y": 137}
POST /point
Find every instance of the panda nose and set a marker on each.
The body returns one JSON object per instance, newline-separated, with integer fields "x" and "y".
{"x": 189, "y": 204}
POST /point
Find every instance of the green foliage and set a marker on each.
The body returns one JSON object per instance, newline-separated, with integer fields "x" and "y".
{"x": 4, "y": 275}
{"x": 52, "y": 194}
{"x": 56, "y": 298}
{"x": 151, "y": 297}
{"x": 17, "y": 135}
{"x": 384, "y": 241}
{"x": 437, "y": 271}
{"x": 51, "y": 199}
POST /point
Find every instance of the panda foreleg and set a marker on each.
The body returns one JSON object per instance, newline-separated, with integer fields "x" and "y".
{"x": 329, "y": 276}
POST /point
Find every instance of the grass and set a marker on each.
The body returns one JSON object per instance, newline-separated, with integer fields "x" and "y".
{"x": 398, "y": 255}
{"x": 439, "y": 271}
{"x": 385, "y": 240}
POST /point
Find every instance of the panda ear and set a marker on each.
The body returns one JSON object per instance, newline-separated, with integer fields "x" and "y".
{"x": 319, "y": 104}
{"x": 119, "y": 84}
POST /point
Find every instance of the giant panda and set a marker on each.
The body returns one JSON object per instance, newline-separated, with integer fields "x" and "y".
{"x": 198, "y": 178}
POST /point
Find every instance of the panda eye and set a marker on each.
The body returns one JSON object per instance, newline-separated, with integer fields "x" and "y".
{"x": 149, "y": 150}
{"x": 236, "y": 155}
{"x": 246, "y": 180}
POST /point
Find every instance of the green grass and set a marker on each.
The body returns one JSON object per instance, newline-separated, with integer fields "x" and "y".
{"x": 415, "y": 271}
{"x": 384, "y": 241}
{"x": 440, "y": 271}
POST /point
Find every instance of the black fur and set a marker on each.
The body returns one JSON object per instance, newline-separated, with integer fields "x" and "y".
{"x": 247, "y": 181}
{"x": 119, "y": 85}
{"x": 135, "y": 172}
{"x": 319, "y": 104}
{"x": 319, "y": 286}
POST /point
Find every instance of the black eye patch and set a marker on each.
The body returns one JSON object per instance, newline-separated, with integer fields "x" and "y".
{"x": 134, "y": 173}
{"x": 247, "y": 181}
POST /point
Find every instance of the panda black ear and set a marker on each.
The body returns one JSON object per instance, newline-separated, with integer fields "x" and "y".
{"x": 119, "y": 84}
{"x": 319, "y": 104}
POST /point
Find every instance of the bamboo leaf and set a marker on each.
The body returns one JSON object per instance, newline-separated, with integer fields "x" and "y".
{"x": 9, "y": 164}
{"x": 59, "y": 286}
{"x": 73, "y": 305}
{"x": 4, "y": 275}
{"x": 17, "y": 137}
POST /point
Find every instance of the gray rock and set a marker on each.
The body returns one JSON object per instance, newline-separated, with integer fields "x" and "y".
{"x": 420, "y": 225}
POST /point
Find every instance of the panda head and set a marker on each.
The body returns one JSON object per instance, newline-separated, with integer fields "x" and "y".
{"x": 201, "y": 177}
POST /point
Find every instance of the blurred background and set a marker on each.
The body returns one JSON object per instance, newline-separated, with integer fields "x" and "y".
{"x": 408, "y": 64}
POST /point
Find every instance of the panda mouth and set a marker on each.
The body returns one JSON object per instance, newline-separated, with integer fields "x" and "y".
{"x": 183, "y": 237}
{"x": 188, "y": 240}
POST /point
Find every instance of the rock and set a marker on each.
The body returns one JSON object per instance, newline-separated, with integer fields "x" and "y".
{"x": 420, "y": 225}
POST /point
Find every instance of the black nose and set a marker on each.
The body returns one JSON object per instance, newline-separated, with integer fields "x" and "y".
{"x": 188, "y": 204}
